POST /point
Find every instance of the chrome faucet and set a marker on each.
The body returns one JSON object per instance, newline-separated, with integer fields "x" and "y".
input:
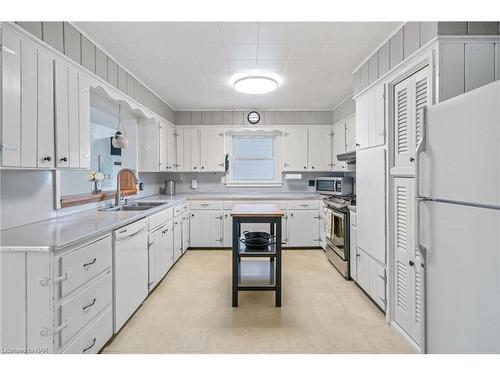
{"x": 118, "y": 194}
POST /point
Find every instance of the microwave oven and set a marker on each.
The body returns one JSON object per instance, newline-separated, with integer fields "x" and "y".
{"x": 334, "y": 185}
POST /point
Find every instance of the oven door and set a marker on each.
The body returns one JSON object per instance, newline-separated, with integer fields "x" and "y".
{"x": 336, "y": 235}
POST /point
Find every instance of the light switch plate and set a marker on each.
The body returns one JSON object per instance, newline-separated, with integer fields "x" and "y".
{"x": 194, "y": 184}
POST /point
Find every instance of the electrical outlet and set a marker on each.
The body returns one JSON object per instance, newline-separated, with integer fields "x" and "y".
{"x": 194, "y": 184}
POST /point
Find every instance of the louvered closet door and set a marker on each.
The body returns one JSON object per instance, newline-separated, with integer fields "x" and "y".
{"x": 403, "y": 124}
{"x": 421, "y": 99}
{"x": 403, "y": 238}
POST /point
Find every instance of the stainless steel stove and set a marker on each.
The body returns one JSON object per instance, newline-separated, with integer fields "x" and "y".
{"x": 337, "y": 231}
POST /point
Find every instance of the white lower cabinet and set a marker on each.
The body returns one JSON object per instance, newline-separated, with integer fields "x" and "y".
{"x": 206, "y": 228}
{"x": 352, "y": 245}
{"x": 370, "y": 276}
{"x": 185, "y": 231}
{"x": 303, "y": 228}
{"x": 177, "y": 242}
{"x": 160, "y": 253}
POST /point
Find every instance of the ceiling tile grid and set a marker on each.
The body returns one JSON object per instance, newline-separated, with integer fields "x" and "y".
{"x": 192, "y": 65}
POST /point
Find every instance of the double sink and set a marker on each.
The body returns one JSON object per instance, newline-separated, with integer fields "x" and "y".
{"x": 134, "y": 206}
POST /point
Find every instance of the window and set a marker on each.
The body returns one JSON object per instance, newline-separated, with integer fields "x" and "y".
{"x": 253, "y": 160}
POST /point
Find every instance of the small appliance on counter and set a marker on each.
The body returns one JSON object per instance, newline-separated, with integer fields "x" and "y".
{"x": 334, "y": 185}
{"x": 169, "y": 188}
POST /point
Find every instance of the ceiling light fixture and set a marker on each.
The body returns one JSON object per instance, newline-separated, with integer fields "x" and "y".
{"x": 255, "y": 85}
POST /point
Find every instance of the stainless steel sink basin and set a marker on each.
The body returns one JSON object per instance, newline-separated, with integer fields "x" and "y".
{"x": 147, "y": 204}
{"x": 127, "y": 208}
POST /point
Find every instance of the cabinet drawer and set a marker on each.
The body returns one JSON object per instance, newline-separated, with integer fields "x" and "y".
{"x": 160, "y": 218}
{"x": 229, "y": 205}
{"x": 180, "y": 209}
{"x": 303, "y": 205}
{"x": 204, "y": 205}
{"x": 94, "y": 337}
{"x": 85, "y": 263}
{"x": 85, "y": 306}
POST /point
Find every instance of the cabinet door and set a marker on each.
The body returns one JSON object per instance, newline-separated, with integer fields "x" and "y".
{"x": 227, "y": 230}
{"x": 339, "y": 146}
{"x": 404, "y": 246}
{"x": 205, "y": 228}
{"x": 376, "y": 121}
{"x": 183, "y": 150}
{"x": 11, "y": 99}
{"x": 163, "y": 147}
{"x": 363, "y": 270}
{"x": 353, "y": 253}
{"x": 84, "y": 113}
{"x": 378, "y": 285}
{"x": 295, "y": 149}
{"x": 212, "y": 150}
{"x": 29, "y": 105}
{"x": 185, "y": 232}
{"x": 303, "y": 228}
{"x": 195, "y": 150}
{"x": 362, "y": 121}
{"x": 171, "y": 152}
{"x": 168, "y": 245}
{"x": 73, "y": 119}
{"x": 46, "y": 111}
{"x": 320, "y": 148}
{"x": 322, "y": 226}
{"x": 215, "y": 236}
{"x": 149, "y": 150}
{"x": 403, "y": 124}
{"x": 350, "y": 134}
{"x": 61, "y": 114}
{"x": 177, "y": 243}
{"x": 153, "y": 244}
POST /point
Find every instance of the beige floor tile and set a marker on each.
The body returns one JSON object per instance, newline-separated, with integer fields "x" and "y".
{"x": 190, "y": 312}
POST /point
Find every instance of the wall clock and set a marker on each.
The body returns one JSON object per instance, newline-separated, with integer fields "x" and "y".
{"x": 253, "y": 117}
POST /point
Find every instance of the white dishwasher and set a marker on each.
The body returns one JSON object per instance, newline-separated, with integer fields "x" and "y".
{"x": 130, "y": 276}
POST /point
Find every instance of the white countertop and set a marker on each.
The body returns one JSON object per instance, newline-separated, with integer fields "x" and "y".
{"x": 66, "y": 231}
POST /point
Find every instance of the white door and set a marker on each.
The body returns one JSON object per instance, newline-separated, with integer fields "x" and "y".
{"x": 73, "y": 118}
{"x": 29, "y": 105}
{"x": 376, "y": 116}
{"x": 11, "y": 99}
{"x": 185, "y": 232}
{"x": 303, "y": 228}
{"x": 462, "y": 278}
{"x": 362, "y": 121}
{"x": 183, "y": 150}
{"x": 168, "y": 245}
{"x": 353, "y": 246}
{"x": 149, "y": 141}
{"x": 195, "y": 150}
{"x": 206, "y": 228}
{"x": 45, "y": 149}
{"x": 350, "y": 134}
{"x": 227, "y": 230}
{"x": 295, "y": 149}
{"x": 177, "y": 243}
{"x": 153, "y": 245}
{"x": 163, "y": 146}
{"x": 84, "y": 120}
{"x": 212, "y": 150}
{"x": 339, "y": 146}
{"x": 363, "y": 270}
{"x": 171, "y": 151}
{"x": 404, "y": 247}
{"x": 61, "y": 114}
{"x": 370, "y": 208}
{"x": 320, "y": 148}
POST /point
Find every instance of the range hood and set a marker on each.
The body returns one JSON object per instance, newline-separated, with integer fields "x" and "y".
{"x": 349, "y": 157}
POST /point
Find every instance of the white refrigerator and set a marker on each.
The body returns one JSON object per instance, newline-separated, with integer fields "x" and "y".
{"x": 458, "y": 222}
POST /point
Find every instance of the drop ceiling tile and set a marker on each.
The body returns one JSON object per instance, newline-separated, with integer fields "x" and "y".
{"x": 307, "y": 51}
{"x": 239, "y": 32}
{"x": 272, "y": 66}
{"x": 242, "y": 66}
{"x": 315, "y": 32}
{"x": 273, "y": 51}
{"x": 277, "y": 32}
{"x": 208, "y": 51}
{"x": 213, "y": 65}
{"x": 240, "y": 51}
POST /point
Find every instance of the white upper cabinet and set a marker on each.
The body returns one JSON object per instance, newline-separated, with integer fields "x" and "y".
{"x": 295, "y": 149}
{"x": 163, "y": 147}
{"x": 212, "y": 150}
{"x": 319, "y": 148}
{"x": 194, "y": 135}
{"x": 183, "y": 150}
{"x": 370, "y": 118}
{"x": 350, "y": 134}
{"x": 339, "y": 146}
{"x": 149, "y": 139}
{"x": 72, "y": 117}
{"x": 27, "y": 104}
{"x": 170, "y": 143}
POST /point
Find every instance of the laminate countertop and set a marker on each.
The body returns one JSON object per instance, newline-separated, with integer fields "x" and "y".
{"x": 70, "y": 230}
